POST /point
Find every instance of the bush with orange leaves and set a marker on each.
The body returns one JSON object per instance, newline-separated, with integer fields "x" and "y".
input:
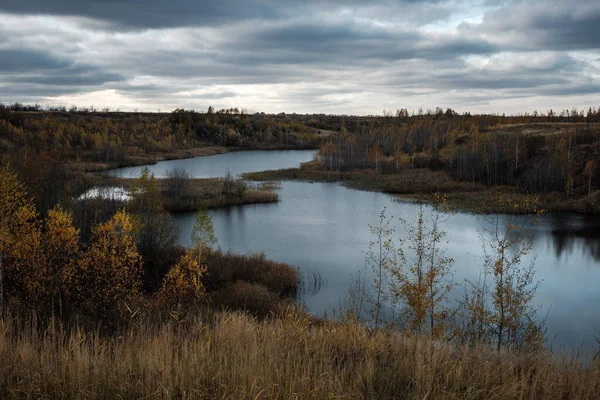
{"x": 183, "y": 286}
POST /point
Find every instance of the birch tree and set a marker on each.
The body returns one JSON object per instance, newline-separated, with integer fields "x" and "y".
{"x": 203, "y": 235}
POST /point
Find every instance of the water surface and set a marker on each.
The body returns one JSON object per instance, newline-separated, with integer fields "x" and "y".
{"x": 217, "y": 166}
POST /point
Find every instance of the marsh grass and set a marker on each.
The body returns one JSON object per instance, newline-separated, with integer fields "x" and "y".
{"x": 199, "y": 193}
{"x": 250, "y": 283}
{"x": 207, "y": 193}
{"x": 233, "y": 355}
{"x": 226, "y": 268}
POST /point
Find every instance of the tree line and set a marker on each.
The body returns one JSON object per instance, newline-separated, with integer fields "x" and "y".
{"x": 523, "y": 151}
{"x": 110, "y": 137}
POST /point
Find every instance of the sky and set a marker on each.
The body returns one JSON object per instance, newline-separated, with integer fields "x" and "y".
{"x": 307, "y": 56}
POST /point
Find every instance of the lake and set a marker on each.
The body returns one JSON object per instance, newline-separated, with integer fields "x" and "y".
{"x": 237, "y": 163}
{"x": 324, "y": 227}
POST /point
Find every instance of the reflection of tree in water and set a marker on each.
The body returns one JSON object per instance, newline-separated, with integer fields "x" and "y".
{"x": 568, "y": 232}
{"x": 524, "y": 227}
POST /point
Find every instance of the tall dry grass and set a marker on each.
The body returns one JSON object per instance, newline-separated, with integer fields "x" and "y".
{"x": 232, "y": 355}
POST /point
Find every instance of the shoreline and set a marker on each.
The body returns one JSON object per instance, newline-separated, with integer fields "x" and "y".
{"x": 422, "y": 186}
{"x": 151, "y": 159}
{"x": 207, "y": 197}
{"x": 410, "y": 185}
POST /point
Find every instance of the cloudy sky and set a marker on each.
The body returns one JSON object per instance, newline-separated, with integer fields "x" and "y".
{"x": 329, "y": 56}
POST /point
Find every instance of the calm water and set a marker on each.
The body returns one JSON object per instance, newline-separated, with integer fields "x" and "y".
{"x": 217, "y": 166}
{"x": 325, "y": 227}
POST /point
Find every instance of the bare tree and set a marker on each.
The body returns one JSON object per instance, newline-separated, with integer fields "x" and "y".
{"x": 178, "y": 182}
{"x": 381, "y": 257}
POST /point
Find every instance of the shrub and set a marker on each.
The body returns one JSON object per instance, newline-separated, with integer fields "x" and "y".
{"x": 281, "y": 279}
{"x": 254, "y": 298}
{"x": 178, "y": 182}
{"x": 183, "y": 285}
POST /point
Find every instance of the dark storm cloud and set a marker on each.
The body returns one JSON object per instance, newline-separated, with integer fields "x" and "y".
{"x": 16, "y": 60}
{"x": 551, "y": 75}
{"x": 497, "y": 81}
{"x": 333, "y": 43}
{"x": 39, "y": 73}
{"x": 146, "y": 13}
{"x": 80, "y": 76}
{"x": 177, "y": 13}
{"x": 549, "y": 25}
{"x": 590, "y": 87}
{"x": 25, "y": 91}
{"x": 555, "y": 71}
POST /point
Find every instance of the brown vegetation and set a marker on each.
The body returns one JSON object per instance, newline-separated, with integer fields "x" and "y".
{"x": 554, "y": 155}
{"x": 208, "y": 193}
{"x": 423, "y": 184}
{"x": 224, "y": 268}
{"x": 232, "y": 355}
{"x": 99, "y": 140}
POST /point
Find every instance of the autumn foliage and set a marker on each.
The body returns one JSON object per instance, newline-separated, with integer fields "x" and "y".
{"x": 128, "y": 263}
{"x": 183, "y": 285}
{"x": 61, "y": 246}
{"x": 20, "y": 240}
{"x": 108, "y": 275}
{"x": 44, "y": 266}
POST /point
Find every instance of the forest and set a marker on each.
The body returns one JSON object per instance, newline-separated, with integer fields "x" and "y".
{"x": 538, "y": 154}
{"x": 111, "y": 137}
{"x": 465, "y": 156}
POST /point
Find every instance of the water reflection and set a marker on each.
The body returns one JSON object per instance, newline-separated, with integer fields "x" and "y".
{"x": 323, "y": 229}
{"x": 570, "y": 233}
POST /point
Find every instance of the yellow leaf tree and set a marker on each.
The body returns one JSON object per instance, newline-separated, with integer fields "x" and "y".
{"x": 109, "y": 273}
{"x": 61, "y": 247}
{"x": 203, "y": 235}
{"x": 19, "y": 238}
{"x": 423, "y": 281}
{"x": 183, "y": 284}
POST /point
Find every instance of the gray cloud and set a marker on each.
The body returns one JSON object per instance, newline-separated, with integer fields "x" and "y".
{"x": 144, "y": 13}
{"x": 23, "y": 60}
{"x": 80, "y": 76}
{"x": 38, "y": 73}
{"x": 159, "y": 14}
{"x": 337, "y": 55}
{"x": 549, "y": 25}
